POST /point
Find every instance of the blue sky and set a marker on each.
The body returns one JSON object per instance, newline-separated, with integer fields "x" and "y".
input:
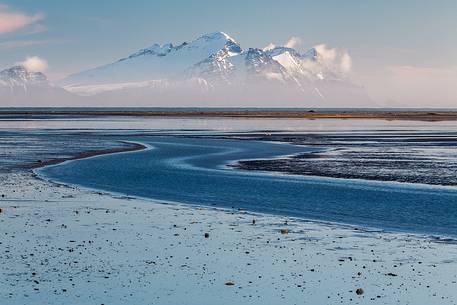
{"x": 387, "y": 40}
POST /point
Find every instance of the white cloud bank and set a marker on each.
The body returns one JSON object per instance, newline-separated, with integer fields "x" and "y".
{"x": 418, "y": 86}
{"x": 413, "y": 86}
{"x": 335, "y": 59}
{"x": 332, "y": 58}
{"x": 11, "y": 20}
{"x": 293, "y": 42}
{"x": 270, "y": 46}
{"x": 346, "y": 63}
{"x": 35, "y": 64}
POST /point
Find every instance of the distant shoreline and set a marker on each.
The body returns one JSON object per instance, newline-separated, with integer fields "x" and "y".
{"x": 301, "y": 114}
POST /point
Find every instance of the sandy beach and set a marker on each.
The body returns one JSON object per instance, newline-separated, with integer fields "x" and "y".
{"x": 62, "y": 244}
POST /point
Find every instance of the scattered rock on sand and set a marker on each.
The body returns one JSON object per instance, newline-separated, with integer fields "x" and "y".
{"x": 284, "y": 231}
{"x": 229, "y": 283}
{"x": 206, "y": 235}
{"x": 359, "y": 291}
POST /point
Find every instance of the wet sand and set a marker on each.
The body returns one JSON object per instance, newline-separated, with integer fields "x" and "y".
{"x": 409, "y": 156}
{"x": 69, "y": 245}
{"x": 64, "y": 244}
{"x": 310, "y": 114}
{"x": 126, "y": 147}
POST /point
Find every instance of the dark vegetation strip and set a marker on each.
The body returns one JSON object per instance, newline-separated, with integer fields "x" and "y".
{"x": 311, "y": 114}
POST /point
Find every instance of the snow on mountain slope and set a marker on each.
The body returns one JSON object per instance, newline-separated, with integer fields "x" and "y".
{"x": 20, "y": 77}
{"x": 216, "y": 63}
{"x": 159, "y": 62}
{"x": 19, "y": 86}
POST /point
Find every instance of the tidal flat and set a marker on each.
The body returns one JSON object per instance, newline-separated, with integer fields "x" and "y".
{"x": 86, "y": 243}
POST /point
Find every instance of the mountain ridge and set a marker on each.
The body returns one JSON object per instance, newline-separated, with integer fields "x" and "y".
{"x": 20, "y": 86}
{"x": 214, "y": 70}
{"x": 216, "y": 49}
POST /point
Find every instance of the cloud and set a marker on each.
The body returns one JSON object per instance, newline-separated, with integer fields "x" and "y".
{"x": 326, "y": 53}
{"x": 333, "y": 58}
{"x": 35, "y": 64}
{"x": 413, "y": 86}
{"x": 14, "y": 44}
{"x": 36, "y": 29}
{"x": 293, "y": 42}
{"x": 346, "y": 63}
{"x": 12, "y": 20}
{"x": 270, "y": 46}
{"x": 408, "y": 72}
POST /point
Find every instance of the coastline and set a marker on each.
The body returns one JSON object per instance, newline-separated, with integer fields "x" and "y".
{"x": 67, "y": 244}
{"x": 314, "y": 198}
{"x": 430, "y": 116}
{"x": 430, "y": 234}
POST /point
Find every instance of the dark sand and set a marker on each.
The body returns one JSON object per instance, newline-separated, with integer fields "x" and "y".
{"x": 310, "y": 114}
{"x": 87, "y": 154}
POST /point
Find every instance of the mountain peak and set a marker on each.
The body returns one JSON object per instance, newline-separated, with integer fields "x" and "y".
{"x": 155, "y": 49}
{"x": 218, "y": 35}
{"x": 218, "y": 61}
{"x": 19, "y": 74}
{"x": 312, "y": 54}
{"x": 280, "y": 50}
{"x": 219, "y": 40}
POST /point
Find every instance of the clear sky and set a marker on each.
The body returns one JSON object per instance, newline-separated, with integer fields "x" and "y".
{"x": 403, "y": 52}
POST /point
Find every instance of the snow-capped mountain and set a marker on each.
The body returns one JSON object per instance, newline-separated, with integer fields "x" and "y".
{"x": 20, "y": 77}
{"x": 215, "y": 67}
{"x": 19, "y": 86}
{"x": 167, "y": 62}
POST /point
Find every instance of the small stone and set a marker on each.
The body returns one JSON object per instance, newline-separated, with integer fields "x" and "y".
{"x": 359, "y": 291}
{"x": 206, "y": 235}
{"x": 284, "y": 231}
{"x": 229, "y": 283}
